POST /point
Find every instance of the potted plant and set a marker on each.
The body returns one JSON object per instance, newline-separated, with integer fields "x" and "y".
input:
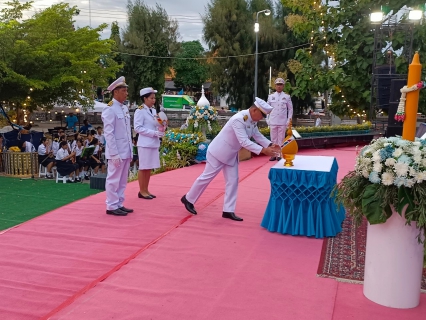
{"x": 388, "y": 188}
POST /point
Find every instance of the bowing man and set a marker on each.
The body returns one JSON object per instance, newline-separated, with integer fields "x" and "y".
{"x": 118, "y": 152}
{"x": 222, "y": 154}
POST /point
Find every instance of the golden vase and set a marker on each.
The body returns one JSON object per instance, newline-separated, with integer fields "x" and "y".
{"x": 289, "y": 148}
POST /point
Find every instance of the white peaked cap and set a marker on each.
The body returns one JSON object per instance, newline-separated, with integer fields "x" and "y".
{"x": 120, "y": 82}
{"x": 262, "y": 105}
{"x": 145, "y": 91}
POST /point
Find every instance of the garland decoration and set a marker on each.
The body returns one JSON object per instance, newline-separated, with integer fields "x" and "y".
{"x": 400, "y": 113}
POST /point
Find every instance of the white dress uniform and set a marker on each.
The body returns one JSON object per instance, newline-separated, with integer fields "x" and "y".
{"x": 146, "y": 125}
{"x": 222, "y": 154}
{"x": 280, "y": 116}
{"x": 29, "y": 147}
{"x": 117, "y": 132}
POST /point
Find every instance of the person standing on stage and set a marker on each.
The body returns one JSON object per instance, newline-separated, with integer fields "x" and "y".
{"x": 222, "y": 154}
{"x": 149, "y": 133}
{"x": 280, "y": 116}
{"x": 118, "y": 152}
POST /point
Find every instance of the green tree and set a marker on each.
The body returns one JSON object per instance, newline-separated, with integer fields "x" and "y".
{"x": 190, "y": 73}
{"x": 45, "y": 61}
{"x": 149, "y": 32}
{"x": 342, "y": 48}
{"x": 229, "y": 31}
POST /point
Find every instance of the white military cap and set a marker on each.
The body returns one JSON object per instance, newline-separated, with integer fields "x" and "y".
{"x": 279, "y": 80}
{"x": 263, "y": 106}
{"x": 120, "y": 82}
{"x": 145, "y": 91}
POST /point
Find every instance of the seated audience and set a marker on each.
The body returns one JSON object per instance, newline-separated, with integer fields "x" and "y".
{"x": 65, "y": 163}
{"x": 95, "y": 161}
{"x": 46, "y": 157}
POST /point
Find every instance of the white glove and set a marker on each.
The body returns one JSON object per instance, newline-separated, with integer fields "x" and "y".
{"x": 158, "y": 134}
{"x": 116, "y": 160}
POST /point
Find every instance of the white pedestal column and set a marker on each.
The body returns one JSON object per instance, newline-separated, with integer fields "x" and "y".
{"x": 393, "y": 264}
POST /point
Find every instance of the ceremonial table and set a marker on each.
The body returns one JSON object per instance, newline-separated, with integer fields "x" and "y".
{"x": 300, "y": 202}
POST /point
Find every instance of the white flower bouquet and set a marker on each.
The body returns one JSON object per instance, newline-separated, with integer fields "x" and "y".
{"x": 389, "y": 172}
{"x": 202, "y": 119}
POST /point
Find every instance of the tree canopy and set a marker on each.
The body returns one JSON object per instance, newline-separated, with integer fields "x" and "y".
{"x": 190, "y": 73}
{"x": 340, "y": 57}
{"x": 44, "y": 60}
{"x": 149, "y": 34}
{"x": 229, "y": 31}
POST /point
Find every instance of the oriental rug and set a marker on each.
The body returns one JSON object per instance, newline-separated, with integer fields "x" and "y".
{"x": 343, "y": 256}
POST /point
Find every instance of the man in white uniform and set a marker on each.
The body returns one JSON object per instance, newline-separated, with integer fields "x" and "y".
{"x": 281, "y": 114}
{"x": 222, "y": 154}
{"x": 118, "y": 140}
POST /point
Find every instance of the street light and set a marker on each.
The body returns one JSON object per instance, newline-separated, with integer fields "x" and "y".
{"x": 267, "y": 12}
{"x": 415, "y": 14}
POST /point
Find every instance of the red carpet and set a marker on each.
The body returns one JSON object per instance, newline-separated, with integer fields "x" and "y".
{"x": 78, "y": 263}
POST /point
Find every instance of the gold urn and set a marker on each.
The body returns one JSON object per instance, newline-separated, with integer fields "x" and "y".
{"x": 289, "y": 147}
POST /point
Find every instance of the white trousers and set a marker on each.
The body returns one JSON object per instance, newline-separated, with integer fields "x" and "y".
{"x": 277, "y": 134}
{"x": 116, "y": 183}
{"x": 213, "y": 167}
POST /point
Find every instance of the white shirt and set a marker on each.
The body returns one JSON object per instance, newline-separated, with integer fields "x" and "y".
{"x": 29, "y": 147}
{"x": 282, "y": 109}
{"x": 78, "y": 150}
{"x": 117, "y": 130}
{"x": 55, "y": 147}
{"x": 318, "y": 122}
{"x": 236, "y": 134}
{"x": 146, "y": 124}
{"x": 95, "y": 152}
{"x": 42, "y": 150}
{"x": 62, "y": 153}
{"x": 100, "y": 138}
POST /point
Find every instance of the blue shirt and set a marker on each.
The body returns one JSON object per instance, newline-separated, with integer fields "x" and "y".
{"x": 71, "y": 121}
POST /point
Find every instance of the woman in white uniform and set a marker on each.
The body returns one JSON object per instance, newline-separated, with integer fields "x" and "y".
{"x": 150, "y": 132}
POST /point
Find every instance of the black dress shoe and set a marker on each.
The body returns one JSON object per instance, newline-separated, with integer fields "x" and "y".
{"x": 231, "y": 215}
{"x": 126, "y": 209}
{"x": 188, "y": 205}
{"x": 272, "y": 158}
{"x": 278, "y": 158}
{"x": 143, "y": 197}
{"x": 153, "y": 196}
{"x": 117, "y": 212}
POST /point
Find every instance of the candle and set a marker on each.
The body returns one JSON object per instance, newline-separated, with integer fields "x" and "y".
{"x": 412, "y": 102}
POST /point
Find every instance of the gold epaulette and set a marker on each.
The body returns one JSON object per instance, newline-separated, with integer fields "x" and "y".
{"x": 110, "y": 103}
{"x": 140, "y": 107}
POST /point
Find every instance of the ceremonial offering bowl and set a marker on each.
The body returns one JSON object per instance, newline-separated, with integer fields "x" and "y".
{"x": 289, "y": 152}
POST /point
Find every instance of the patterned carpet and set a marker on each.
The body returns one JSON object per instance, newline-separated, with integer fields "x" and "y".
{"x": 343, "y": 257}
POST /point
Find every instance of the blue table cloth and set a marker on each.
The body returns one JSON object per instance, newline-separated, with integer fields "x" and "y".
{"x": 300, "y": 202}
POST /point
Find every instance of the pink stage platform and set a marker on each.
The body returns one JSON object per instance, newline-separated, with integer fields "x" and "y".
{"x": 160, "y": 263}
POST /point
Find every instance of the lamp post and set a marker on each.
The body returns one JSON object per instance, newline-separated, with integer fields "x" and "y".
{"x": 256, "y": 30}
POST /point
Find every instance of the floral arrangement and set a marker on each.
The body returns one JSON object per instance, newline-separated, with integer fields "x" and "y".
{"x": 178, "y": 149}
{"x": 389, "y": 172}
{"x": 174, "y": 136}
{"x": 202, "y": 119}
{"x": 15, "y": 149}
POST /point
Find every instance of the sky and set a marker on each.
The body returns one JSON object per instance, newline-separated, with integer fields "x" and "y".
{"x": 186, "y": 12}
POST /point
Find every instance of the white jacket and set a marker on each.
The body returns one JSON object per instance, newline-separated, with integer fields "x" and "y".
{"x": 146, "y": 125}
{"x": 283, "y": 109}
{"x": 117, "y": 130}
{"x": 236, "y": 134}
